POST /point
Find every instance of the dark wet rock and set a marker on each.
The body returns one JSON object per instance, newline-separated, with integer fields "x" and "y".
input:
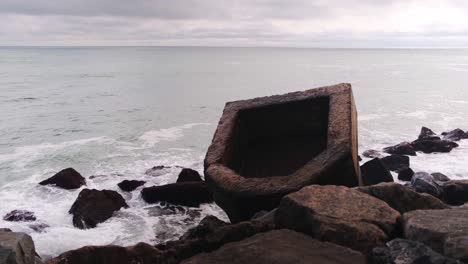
{"x": 279, "y": 246}
{"x": 359, "y": 158}
{"x": 455, "y": 192}
{"x": 405, "y": 174}
{"x": 189, "y": 175}
{"x": 95, "y": 206}
{"x": 20, "y": 216}
{"x": 158, "y": 170}
{"x": 66, "y": 179}
{"x": 141, "y": 253}
{"x": 265, "y": 148}
{"x": 5, "y": 230}
{"x": 404, "y": 148}
{"x": 455, "y": 135}
{"x": 427, "y": 133}
{"x": 372, "y": 153}
{"x": 17, "y": 248}
{"x": 39, "y": 227}
{"x": 183, "y": 193}
{"x": 440, "y": 177}
{"x": 434, "y": 145}
{"x": 396, "y": 162}
{"x": 445, "y": 231}
{"x": 374, "y": 172}
{"x": 402, "y": 198}
{"x": 402, "y": 251}
{"x": 207, "y": 225}
{"x": 340, "y": 215}
{"x": 423, "y": 182}
{"x": 130, "y": 185}
{"x": 166, "y": 209}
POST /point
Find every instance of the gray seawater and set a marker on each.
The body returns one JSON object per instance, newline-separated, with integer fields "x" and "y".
{"x": 115, "y": 112}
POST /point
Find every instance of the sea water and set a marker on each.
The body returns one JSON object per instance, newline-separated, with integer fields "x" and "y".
{"x": 114, "y": 112}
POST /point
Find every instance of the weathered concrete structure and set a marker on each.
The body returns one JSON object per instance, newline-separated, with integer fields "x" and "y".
{"x": 265, "y": 148}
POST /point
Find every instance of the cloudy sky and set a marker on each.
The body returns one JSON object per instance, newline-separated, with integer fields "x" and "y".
{"x": 295, "y": 23}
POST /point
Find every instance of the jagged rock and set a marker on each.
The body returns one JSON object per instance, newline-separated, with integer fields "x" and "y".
{"x": 455, "y": 135}
{"x": 20, "y": 216}
{"x": 340, "y": 215}
{"x": 433, "y": 145}
{"x": 141, "y": 253}
{"x": 402, "y": 251}
{"x": 404, "y": 148}
{"x": 427, "y": 133}
{"x": 406, "y": 174}
{"x": 189, "y": 175}
{"x": 396, "y": 162}
{"x": 279, "y": 246}
{"x": 17, "y": 248}
{"x": 423, "y": 182}
{"x": 157, "y": 171}
{"x": 440, "y": 177}
{"x": 66, "y": 179}
{"x": 445, "y": 231}
{"x": 94, "y": 206}
{"x": 130, "y": 185}
{"x": 455, "y": 192}
{"x": 374, "y": 172}
{"x": 183, "y": 193}
{"x": 372, "y": 153}
{"x": 207, "y": 225}
{"x": 402, "y": 198}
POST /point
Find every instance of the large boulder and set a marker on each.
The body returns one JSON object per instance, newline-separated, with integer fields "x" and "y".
{"x": 340, "y": 215}
{"x": 433, "y": 145}
{"x": 141, "y": 253}
{"x": 455, "y": 135}
{"x": 130, "y": 185}
{"x": 279, "y": 246}
{"x": 423, "y": 182}
{"x": 375, "y": 172}
{"x": 189, "y": 175}
{"x": 396, "y": 162}
{"x": 455, "y": 192}
{"x": 406, "y": 174}
{"x": 404, "y": 148}
{"x": 20, "y": 216}
{"x": 95, "y": 206}
{"x": 66, "y": 179}
{"x": 402, "y": 251}
{"x": 445, "y": 231}
{"x": 401, "y": 198}
{"x": 17, "y": 248}
{"x": 183, "y": 193}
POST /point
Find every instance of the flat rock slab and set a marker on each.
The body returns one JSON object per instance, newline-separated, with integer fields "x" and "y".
{"x": 445, "y": 231}
{"x": 340, "y": 215}
{"x": 279, "y": 246}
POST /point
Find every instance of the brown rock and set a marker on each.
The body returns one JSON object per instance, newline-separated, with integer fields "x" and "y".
{"x": 455, "y": 135}
{"x": 189, "y": 175}
{"x": 340, "y": 215}
{"x": 375, "y": 172}
{"x": 183, "y": 193}
{"x": 265, "y": 148}
{"x": 455, "y": 192}
{"x": 66, "y": 179}
{"x": 433, "y": 145}
{"x": 279, "y": 246}
{"x": 406, "y": 174}
{"x": 404, "y": 148}
{"x": 396, "y": 162}
{"x": 427, "y": 133}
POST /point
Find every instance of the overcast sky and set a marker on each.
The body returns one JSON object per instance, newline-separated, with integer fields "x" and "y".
{"x": 295, "y": 23}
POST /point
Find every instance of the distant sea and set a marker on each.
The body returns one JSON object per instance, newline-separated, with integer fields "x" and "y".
{"x": 114, "y": 112}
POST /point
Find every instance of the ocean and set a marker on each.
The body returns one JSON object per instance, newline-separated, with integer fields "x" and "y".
{"x": 114, "y": 112}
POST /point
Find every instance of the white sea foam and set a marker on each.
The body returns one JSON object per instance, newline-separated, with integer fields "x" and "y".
{"x": 150, "y": 138}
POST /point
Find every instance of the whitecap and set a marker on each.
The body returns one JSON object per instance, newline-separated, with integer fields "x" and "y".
{"x": 152, "y": 137}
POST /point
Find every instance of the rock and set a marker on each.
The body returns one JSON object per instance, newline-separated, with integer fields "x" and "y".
{"x": 371, "y": 153}
{"x": 279, "y": 246}
{"x": 437, "y": 176}
{"x": 189, "y": 175}
{"x": 402, "y": 251}
{"x": 374, "y": 172}
{"x": 66, "y": 179}
{"x": 157, "y": 171}
{"x": 39, "y": 227}
{"x": 455, "y": 135}
{"x": 434, "y": 145}
{"x": 396, "y": 162}
{"x": 406, "y": 174}
{"x": 427, "y": 133}
{"x": 169, "y": 209}
{"x": 402, "y": 198}
{"x": 455, "y": 192}
{"x": 207, "y": 225}
{"x": 17, "y": 248}
{"x": 5, "y": 230}
{"x": 404, "y": 148}
{"x": 94, "y": 206}
{"x": 20, "y": 216}
{"x": 445, "y": 231}
{"x": 423, "y": 182}
{"x": 141, "y": 253}
{"x": 340, "y": 215}
{"x": 183, "y": 193}
{"x": 265, "y": 148}
{"x": 130, "y": 185}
